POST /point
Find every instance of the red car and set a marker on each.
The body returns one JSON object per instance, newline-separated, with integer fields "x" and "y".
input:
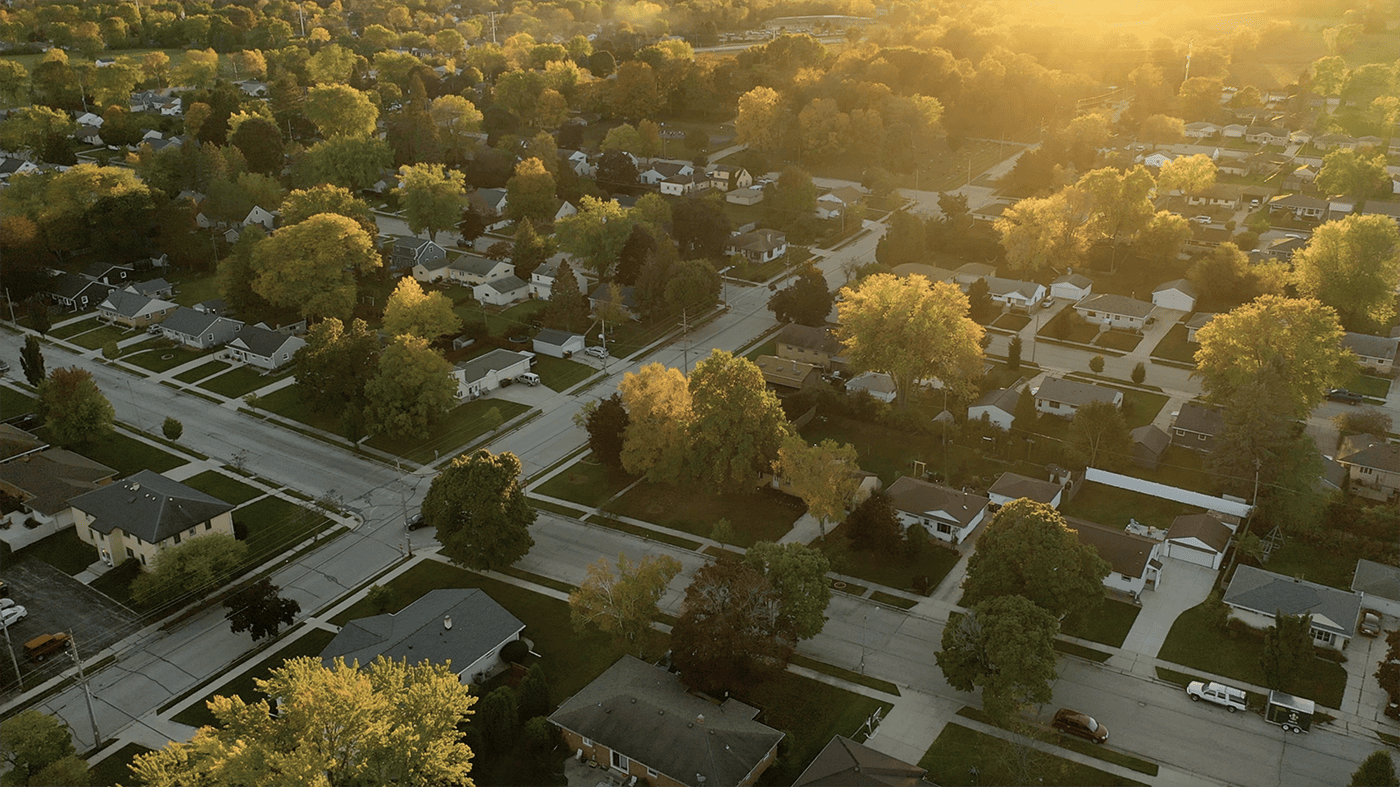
{"x": 1072, "y": 722}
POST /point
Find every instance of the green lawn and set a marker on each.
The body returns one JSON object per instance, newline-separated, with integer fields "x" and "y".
{"x": 1369, "y": 385}
{"x": 896, "y": 571}
{"x": 1195, "y": 643}
{"x": 1077, "y": 331}
{"x": 959, "y": 750}
{"x": 116, "y": 583}
{"x": 1011, "y": 321}
{"x": 1139, "y": 407}
{"x": 508, "y": 322}
{"x": 115, "y": 767}
{"x": 242, "y": 380}
{"x": 812, "y": 713}
{"x": 107, "y": 333}
{"x": 287, "y": 403}
{"x": 13, "y": 403}
{"x": 128, "y": 455}
{"x": 610, "y": 521}
{"x": 1107, "y": 625}
{"x": 560, "y": 374}
{"x": 73, "y": 329}
{"x": 461, "y": 426}
{"x": 1106, "y": 505}
{"x": 202, "y": 371}
{"x": 1174, "y": 346}
{"x": 275, "y": 524}
{"x": 1066, "y": 742}
{"x": 769, "y": 347}
{"x": 1119, "y": 340}
{"x": 1180, "y": 467}
{"x": 193, "y": 287}
{"x": 758, "y": 516}
{"x": 164, "y": 359}
{"x": 63, "y": 550}
{"x": 229, "y": 490}
{"x": 586, "y": 482}
{"x": 309, "y": 644}
{"x": 886, "y": 452}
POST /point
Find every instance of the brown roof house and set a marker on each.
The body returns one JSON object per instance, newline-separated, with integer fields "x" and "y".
{"x": 1199, "y": 539}
{"x": 144, "y": 514}
{"x": 1149, "y": 443}
{"x": 1058, "y": 396}
{"x": 845, "y": 763}
{"x": 810, "y": 345}
{"x": 1011, "y": 486}
{"x": 1196, "y": 426}
{"x": 786, "y": 375}
{"x": 40, "y": 484}
{"x": 1135, "y": 562}
{"x": 1374, "y": 471}
{"x": 948, "y": 514}
{"x": 638, "y": 721}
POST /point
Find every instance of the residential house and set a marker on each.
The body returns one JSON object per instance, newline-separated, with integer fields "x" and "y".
{"x": 107, "y": 273}
{"x": 1340, "y": 207}
{"x": 1058, "y": 396}
{"x": 834, "y": 203}
{"x": 542, "y": 278}
{"x": 579, "y": 162}
{"x": 1221, "y": 195}
{"x": 947, "y": 514}
{"x": 1010, "y": 487}
{"x": 1374, "y": 471}
{"x": 1267, "y": 135}
{"x": 77, "y": 293}
{"x": 15, "y": 166}
{"x": 1391, "y": 210}
{"x": 1374, "y": 353}
{"x": 1234, "y": 130}
{"x": 728, "y": 178}
{"x": 1158, "y": 159}
{"x": 262, "y": 216}
{"x": 1255, "y": 596}
{"x": 138, "y": 517}
{"x": 685, "y": 185}
{"x": 1178, "y": 295}
{"x": 639, "y": 721}
{"x": 788, "y": 375}
{"x": 1282, "y": 249}
{"x": 483, "y": 374}
{"x": 418, "y": 254}
{"x": 1072, "y": 286}
{"x": 43, "y": 481}
{"x": 557, "y": 344}
{"x": 470, "y": 270}
{"x": 749, "y": 195}
{"x": 602, "y": 295}
{"x": 1301, "y": 206}
{"x": 845, "y": 763}
{"x": 970, "y": 272}
{"x": 1369, "y": 142}
{"x": 125, "y": 307}
{"x": 989, "y": 212}
{"x": 253, "y": 88}
{"x": 758, "y": 246}
{"x": 1197, "y": 322}
{"x": 1300, "y": 137}
{"x": 565, "y": 210}
{"x": 878, "y": 384}
{"x": 998, "y": 406}
{"x": 1015, "y": 294}
{"x": 153, "y": 288}
{"x": 461, "y": 626}
{"x": 1135, "y": 562}
{"x": 1199, "y": 538}
{"x": 263, "y": 347}
{"x": 658, "y": 171}
{"x": 502, "y": 292}
{"x": 88, "y": 135}
{"x": 1235, "y": 166}
{"x": 1379, "y": 586}
{"x": 810, "y": 345}
{"x": 1115, "y": 311}
{"x": 1196, "y": 426}
{"x": 199, "y": 330}
{"x": 1302, "y": 177}
{"x": 1266, "y": 163}
{"x": 1334, "y": 142}
{"x": 1149, "y": 443}
{"x": 1201, "y": 130}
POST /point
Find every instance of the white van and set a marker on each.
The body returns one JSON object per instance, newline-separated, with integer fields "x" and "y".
{"x": 529, "y": 378}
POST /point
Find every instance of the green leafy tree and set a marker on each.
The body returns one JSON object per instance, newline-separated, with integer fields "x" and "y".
{"x": 1139, "y": 373}
{"x": 656, "y": 443}
{"x": 1005, "y": 646}
{"x": 596, "y": 234}
{"x": 693, "y": 288}
{"x": 1096, "y": 364}
{"x": 393, "y": 723}
{"x": 1378, "y": 770}
{"x": 1024, "y": 418}
{"x": 1028, "y": 550}
{"x": 823, "y": 475}
{"x": 302, "y": 204}
{"x": 732, "y": 632}
{"x": 33, "y": 743}
{"x": 1353, "y": 265}
{"x": 172, "y": 429}
{"x": 340, "y": 110}
{"x": 606, "y": 422}
{"x": 1041, "y": 232}
{"x": 761, "y": 119}
{"x": 311, "y": 266}
{"x": 1287, "y": 650}
{"x": 1013, "y": 355}
{"x": 111, "y": 350}
{"x": 1187, "y": 174}
{"x": 912, "y": 330}
{"x": 351, "y": 162}
{"x": 792, "y": 202}
{"x": 431, "y": 197}
{"x": 74, "y": 409}
{"x": 40, "y": 318}
{"x": 425, "y": 315}
{"x": 499, "y": 718}
{"x": 1226, "y": 278}
{"x": 31, "y": 361}
{"x": 529, "y": 251}
{"x": 334, "y": 366}
{"x": 798, "y": 573}
{"x": 260, "y": 141}
{"x": 37, "y": 130}
{"x": 736, "y": 424}
{"x": 874, "y": 525}
{"x": 260, "y": 610}
{"x": 622, "y": 602}
{"x": 568, "y": 306}
{"x": 413, "y": 390}
{"x": 534, "y": 696}
{"x": 530, "y": 193}
{"x": 806, "y": 301}
{"x": 1098, "y": 435}
{"x": 1353, "y": 174}
{"x": 197, "y": 566}
{"x": 480, "y": 511}
{"x": 383, "y": 598}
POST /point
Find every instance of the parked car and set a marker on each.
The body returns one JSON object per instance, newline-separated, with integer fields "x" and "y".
{"x": 1232, "y": 698}
{"x": 153, "y": 329}
{"x": 1370, "y": 622}
{"x": 12, "y": 614}
{"x": 45, "y": 645}
{"x": 597, "y": 352}
{"x": 1072, "y": 722}
{"x": 529, "y": 378}
{"x": 1345, "y": 396}
{"x": 1202, "y": 219}
{"x": 416, "y": 521}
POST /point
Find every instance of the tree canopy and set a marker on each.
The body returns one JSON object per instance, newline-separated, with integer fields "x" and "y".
{"x": 736, "y": 422}
{"x": 310, "y": 266}
{"x": 1353, "y": 265}
{"x": 656, "y": 443}
{"x": 1005, "y": 646}
{"x": 823, "y": 475}
{"x": 413, "y": 389}
{"x": 732, "y": 631}
{"x": 74, "y": 409}
{"x": 260, "y": 610}
{"x": 798, "y": 573}
{"x": 1027, "y": 550}
{"x": 622, "y": 601}
{"x": 427, "y": 315}
{"x": 479, "y": 510}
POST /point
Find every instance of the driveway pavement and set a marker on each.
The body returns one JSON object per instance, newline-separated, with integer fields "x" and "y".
{"x": 58, "y": 602}
{"x": 1183, "y": 586}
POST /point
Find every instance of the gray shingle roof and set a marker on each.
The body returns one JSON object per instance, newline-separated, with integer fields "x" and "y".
{"x": 1018, "y": 486}
{"x": 1378, "y": 457}
{"x": 809, "y": 338}
{"x": 418, "y": 632}
{"x": 1116, "y": 304}
{"x": 1181, "y": 285}
{"x": 477, "y": 266}
{"x": 554, "y": 337}
{"x": 493, "y": 361}
{"x": 1058, "y": 389}
{"x": 646, "y": 714}
{"x": 49, "y": 479}
{"x": 1368, "y": 346}
{"x": 1200, "y": 419}
{"x": 148, "y": 505}
{"x": 1126, "y": 553}
{"x": 1265, "y": 592}
{"x": 190, "y": 322}
{"x": 845, "y": 763}
{"x": 506, "y": 284}
{"x": 1202, "y": 527}
{"x": 1003, "y": 399}
{"x": 922, "y": 498}
{"x": 1376, "y": 579}
{"x": 260, "y": 341}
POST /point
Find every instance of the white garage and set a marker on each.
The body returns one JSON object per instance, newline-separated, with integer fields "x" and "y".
{"x": 1198, "y": 538}
{"x": 484, "y": 374}
{"x": 1379, "y": 586}
{"x": 558, "y": 344}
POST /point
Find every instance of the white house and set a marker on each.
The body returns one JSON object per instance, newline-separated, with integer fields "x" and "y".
{"x": 259, "y": 345}
{"x": 759, "y": 246}
{"x": 684, "y": 185}
{"x": 1178, "y": 294}
{"x": 199, "y": 330}
{"x": 542, "y": 278}
{"x": 1072, "y": 286}
{"x": 15, "y": 166}
{"x": 658, "y": 171}
{"x": 1379, "y": 586}
{"x": 1135, "y": 562}
{"x": 877, "y": 384}
{"x": 258, "y": 215}
{"x": 577, "y": 161}
{"x": 472, "y": 270}
{"x": 947, "y": 514}
{"x": 728, "y": 178}
{"x": 831, "y": 204}
{"x": 1018, "y": 294}
{"x": 129, "y": 308}
{"x": 1159, "y": 159}
{"x": 1199, "y": 538}
{"x": 565, "y": 210}
{"x": 484, "y": 374}
{"x": 997, "y": 406}
{"x": 1234, "y": 130}
{"x": 1255, "y": 595}
{"x": 502, "y": 292}
{"x": 558, "y": 344}
{"x": 749, "y": 195}
{"x": 1115, "y": 311}
{"x": 1058, "y": 396}
{"x": 1010, "y": 486}
{"x": 1376, "y": 353}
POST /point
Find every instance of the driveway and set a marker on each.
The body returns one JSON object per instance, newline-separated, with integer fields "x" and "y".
{"x": 1183, "y": 586}
{"x": 58, "y": 602}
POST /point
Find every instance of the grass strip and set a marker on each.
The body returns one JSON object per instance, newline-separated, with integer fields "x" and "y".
{"x": 961, "y": 750}
{"x": 644, "y": 532}
{"x": 1253, "y": 699}
{"x": 1094, "y": 750}
{"x": 849, "y": 676}
{"x": 849, "y": 588}
{"x": 553, "y": 584}
{"x": 557, "y": 509}
{"x": 1083, "y": 652}
{"x": 893, "y": 600}
{"x": 569, "y": 457}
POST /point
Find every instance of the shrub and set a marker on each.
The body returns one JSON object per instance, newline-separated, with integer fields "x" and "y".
{"x": 1096, "y": 364}
{"x": 515, "y": 651}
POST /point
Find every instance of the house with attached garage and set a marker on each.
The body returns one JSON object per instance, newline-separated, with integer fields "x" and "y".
{"x": 463, "y": 626}
{"x": 1390, "y": 210}
{"x": 558, "y": 344}
{"x": 502, "y": 292}
{"x": 1196, "y": 426}
{"x": 877, "y": 384}
{"x": 1218, "y": 196}
{"x": 1199, "y": 538}
{"x": 1255, "y": 595}
{"x": 947, "y": 514}
{"x": 124, "y": 307}
{"x": 471, "y": 270}
{"x": 40, "y": 482}
{"x": 1374, "y": 471}
{"x": 637, "y": 721}
{"x": 1374, "y": 353}
{"x": 749, "y": 195}
{"x": 969, "y": 272}
{"x": 684, "y": 185}
{"x": 1011, "y": 486}
{"x": 1015, "y": 294}
{"x": 263, "y": 347}
{"x": 1135, "y": 562}
{"x": 658, "y": 171}
{"x": 1115, "y": 311}
{"x": 77, "y": 293}
{"x": 810, "y": 345}
{"x": 1379, "y": 586}
{"x": 484, "y": 374}
{"x": 1058, "y": 396}
{"x": 199, "y": 330}
{"x": 1301, "y": 206}
{"x": 833, "y": 203}
{"x": 138, "y": 517}
{"x": 415, "y": 253}
{"x": 1177, "y": 295}
{"x": 1072, "y": 286}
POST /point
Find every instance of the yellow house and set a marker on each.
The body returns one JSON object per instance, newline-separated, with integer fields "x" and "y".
{"x": 145, "y": 513}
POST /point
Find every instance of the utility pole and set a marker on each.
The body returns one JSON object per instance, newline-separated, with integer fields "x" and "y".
{"x": 1189, "y": 46}
{"x": 87, "y": 692}
{"x": 11, "y": 301}
{"x": 493, "y": 26}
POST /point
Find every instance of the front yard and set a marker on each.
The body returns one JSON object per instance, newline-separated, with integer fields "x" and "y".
{"x": 586, "y": 482}
{"x": 163, "y": 359}
{"x": 893, "y": 571}
{"x": 962, "y": 755}
{"x": 242, "y": 381}
{"x": 1107, "y": 625}
{"x": 1174, "y": 347}
{"x": 560, "y": 374}
{"x": 765, "y": 515}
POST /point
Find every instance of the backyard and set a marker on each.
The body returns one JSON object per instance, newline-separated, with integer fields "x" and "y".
{"x": 756, "y": 516}
{"x": 1113, "y": 507}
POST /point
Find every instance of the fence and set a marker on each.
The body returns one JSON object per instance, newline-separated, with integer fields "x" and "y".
{"x": 1154, "y": 489}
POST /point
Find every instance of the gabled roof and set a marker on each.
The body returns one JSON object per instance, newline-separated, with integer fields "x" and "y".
{"x": 1180, "y": 285}
{"x": 1003, "y": 399}
{"x": 1383, "y": 456}
{"x": 1202, "y": 527}
{"x": 844, "y": 194}
{"x": 1376, "y": 579}
{"x": 421, "y": 631}
{"x": 1018, "y": 486}
{"x": 1116, "y": 304}
{"x": 554, "y": 337}
{"x": 1072, "y": 392}
{"x": 976, "y": 270}
{"x": 1376, "y": 208}
{"x": 645, "y": 713}
{"x": 1368, "y": 346}
{"x": 809, "y": 338}
{"x": 1298, "y": 201}
{"x": 1265, "y": 592}
{"x": 1074, "y": 280}
{"x": 1199, "y": 418}
{"x": 845, "y": 763}
{"x": 49, "y": 479}
{"x": 1026, "y": 289}
{"x": 477, "y": 266}
{"x": 150, "y": 506}
{"x": 1150, "y": 437}
{"x": 1199, "y": 319}
{"x": 505, "y": 284}
{"x": 191, "y": 322}
{"x": 1126, "y": 553}
{"x": 150, "y": 287}
{"x": 130, "y": 304}
{"x": 262, "y": 341}
{"x": 69, "y": 286}
{"x": 494, "y": 361}
{"x": 921, "y": 498}
{"x": 759, "y": 240}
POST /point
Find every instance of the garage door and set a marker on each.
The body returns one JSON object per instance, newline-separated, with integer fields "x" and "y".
{"x": 1191, "y": 554}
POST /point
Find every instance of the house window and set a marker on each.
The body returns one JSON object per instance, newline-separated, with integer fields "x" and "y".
{"x": 143, "y": 558}
{"x": 944, "y": 527}
{"x": 1201, "y": 437}
{"x": 651, "y": 774}
{"x": 177, "y": 538}
{"x": 1181, "y": 433}
{"x": 96, "y": 536}
{"x": 1365, "y": 471}
{"x": 620, "y": 762}
{"x": 193, "y": 532}
{"x": 588, "y": 742}
{"x": 208, "y": 526}
{"x": 1325, "y": 637}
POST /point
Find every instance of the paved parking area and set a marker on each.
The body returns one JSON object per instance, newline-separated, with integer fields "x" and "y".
{"x": 57, "y": 602}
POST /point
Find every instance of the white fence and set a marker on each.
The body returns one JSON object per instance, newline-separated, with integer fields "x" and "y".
{"x": 1165, "y": 492}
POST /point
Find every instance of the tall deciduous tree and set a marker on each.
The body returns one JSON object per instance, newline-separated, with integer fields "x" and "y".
{"x": 596, "y": 234}
{"x": 736, "y": 423}
{"x": 74, "y": 409}
{"x": 413, "y": 390}
{"x": 798, "y": 573}
{"x": 1038, "y": 233}
{"x": 38, "y": 749}
{"x": 530, "y": 193}
{"x": 340, "y": 110}
{"x": 659, "y": 408}
{"x": 912, "y": 330}
{"x": 806, "y": 301}
{"x": 302, "y": 204}
{"x": 1226, "y": 278}
{"x": 388, "y": 722}
{"x": 260, "y": 610}
{"x": 1099, "y": 436}
{"x": 606, "y": 422}
{"x": 197, "y": 566}
{"x": 310, "y": 266}
{"x": 352, "y": 162}
{"x": 480, "y": 511}
{"x": 1353, "y": 265}
{"x": 874, "y": 525}
{"x": 530, "y": 251}
{"x": 732, "y": 632}
{"x": 823, "y": 475}
{"x": 1028, "y": 550}
{"x": 1287, "y": 650}
{"x": 1187, "y": 174}
{"x": 1353, "y": 174}
{"x": 760, "y": 121}
{"x": 335, "y": 364}
{"x": 1006, "y": 647}
{"x": 31, "y": 361}
{"x": 622, "y": 602}
{"x": 427, "y": 315}
{"x": 432, "y": 197}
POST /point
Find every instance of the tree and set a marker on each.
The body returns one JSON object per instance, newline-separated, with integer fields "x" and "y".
{"x": 340, "y": 110}
{"x": 498, "y": 716}
{"x": 197, "y": 566}
{"x": 1028, "y": 550}
{"x": 31, "y": 743}
{"x": 480, "y": 511}
{"x": 1226, "y": 278}
{"x": 760, "y": 121}
{"x": 31, "y": 361}
{"x": 568, "y": 306}
{"x": 74, "y": 409}
{"x": 198, "y": 68}
{"x": 656, "y": 443}
{"x": 39, "y": 317}
{"x": 616, "y": 169}
{"x": 1300, "y": 340}
{"x": 1013, "y": 354}
{"x": 700, "y": 228}
{"x": 388, "y": 722}
{"x": 1121, "y": 203}
{"x": 311, "y": 266}
{"x": 732, "y": 632}
{"x": 302, "y": 204}
{"x": 1024, "y": 418}
{"x": 1006, "y": 646}
{"x": 736, "y": 423}
{"x": 1287, "y": 650}
{"x": 1041, "y": 232}
{"x": 457, "y": 119}
{"x": 1098, "y": 434}
{"x": 260, "y": 141}
{"x": 596, "y": 234}
{"x": 1139, "y": 373}
{"x": 622, "y": 603}
{"x": 806, "y": 301}
{"x": 822, "y": 475}
{"x": 792, "y": 201}
{"x": 1353, "y": 174}
{"x": 413, "y": 390}
{"x": 912, "y": 330}
{"x": 1378, "y": 770}
{"x": 798, "y": 573}
{"x": 534, "y": 697}
{"x": 874, "y": 525}
{"x": 530, "y": 251}
{"x": 530, "y": 193}
{"x": 1187, "y": 174}
{"x": 260, "y": 610}
{"x": 352, "y": 162}
{"x": 1353, "y": 265}
{"x": 172, "y": 429}
{"x": 39, "y": 130}
{"x": 1096, "y": 364}
{"x": 425, "y": 315}
{"x": 1157, "y": 129}
{"x": 606, "y": 423}
{"x": 335, "y": 364}
{"x": 694, "y": 287}
{"x": 431, "y": 197}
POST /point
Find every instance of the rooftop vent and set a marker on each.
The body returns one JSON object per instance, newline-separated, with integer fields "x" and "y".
{"x": 447, "y": 622}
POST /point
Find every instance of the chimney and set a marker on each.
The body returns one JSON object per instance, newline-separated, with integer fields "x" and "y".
{"x": 447, "y": 622}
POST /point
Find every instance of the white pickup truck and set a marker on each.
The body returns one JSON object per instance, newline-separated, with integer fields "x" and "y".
{"x": 1232, "y": 698}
